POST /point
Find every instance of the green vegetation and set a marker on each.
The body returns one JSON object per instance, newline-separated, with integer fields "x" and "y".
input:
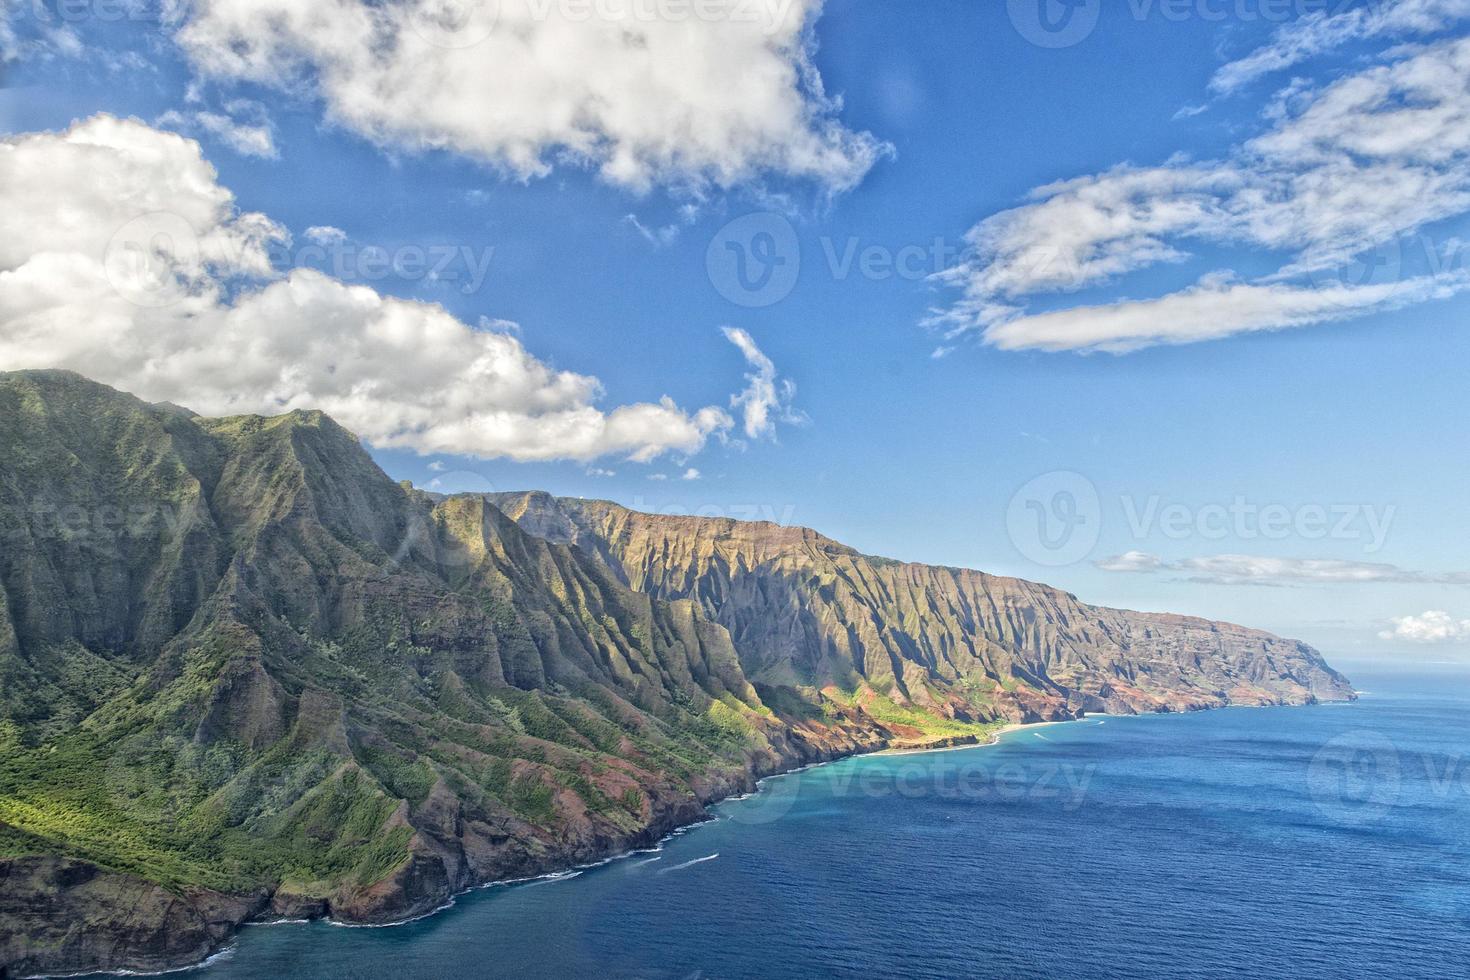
{"x": 211, "y": 695}
{"x": 927, "y": 724}
{"x": 157, "y": 811}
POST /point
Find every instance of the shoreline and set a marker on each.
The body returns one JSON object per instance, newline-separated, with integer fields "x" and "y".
{"x": 678, "y": 831}
{"x": 994, "y": 739}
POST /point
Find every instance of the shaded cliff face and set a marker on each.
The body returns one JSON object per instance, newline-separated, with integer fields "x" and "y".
{"x": 807, "y": 612}
{"x": 245, "y": 675}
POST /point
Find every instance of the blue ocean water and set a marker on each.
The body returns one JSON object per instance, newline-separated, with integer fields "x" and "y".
{"x": 1318, "y": 842}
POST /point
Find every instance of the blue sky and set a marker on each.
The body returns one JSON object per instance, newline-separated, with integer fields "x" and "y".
{"x": 904, "y": 412}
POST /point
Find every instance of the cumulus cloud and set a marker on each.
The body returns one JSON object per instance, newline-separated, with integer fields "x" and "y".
{"x": 718, "y": 92}
{"x": 1261, "y": 570}
{"x": 691, "y": 474}
{"x": 1323, "y": 31}
{"x": 325, "y": 235}
{"x": 1435, "y": 626}
{"x": 766, "y": 399}
{"x": 1344, "y": 171}
{"x": 122, "y": 257}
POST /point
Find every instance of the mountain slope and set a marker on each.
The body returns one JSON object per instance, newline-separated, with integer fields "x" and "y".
{"x": 239, "y": 662}
{"x": 805, "y": 611}
{"x": 245, "y": 675}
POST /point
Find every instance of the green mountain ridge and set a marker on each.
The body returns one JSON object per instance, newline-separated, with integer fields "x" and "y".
{"x": 244, "y": 675}
{"x": 804, "y": 610}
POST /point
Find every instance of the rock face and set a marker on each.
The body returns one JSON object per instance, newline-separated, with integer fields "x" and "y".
{"x": 63, "y": 916}
{"x": 244, "y": 675}
{"x": 803, "y": 610}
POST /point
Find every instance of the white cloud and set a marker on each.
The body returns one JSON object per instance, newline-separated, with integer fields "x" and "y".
{"x": 657, "y": 237}
{"x": 326, "y": 235}
{"x": 1212, "y": 310}
{"x": 1320, "y": 32}
{"x": 244, "y": 127}
{"x": 1347, "y": 169}
{"x": 691, "y": 474}
{"x": 1262, "y": 570}
{"x": 437, "y": 466}
{"x": 121, "y": 257}
{"x": 713, "y": 92}
{"x": 766, "y": 399}
{"x": 39, "y": 31}
{"x": 9, "y": 43}
{"x": 1131, "y": 561}
{"x": 68, "y": 195}
{"x": 1435, "y": 626}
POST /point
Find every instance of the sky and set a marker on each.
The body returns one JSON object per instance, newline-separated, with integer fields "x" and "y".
{"x": 1158, "y": 301}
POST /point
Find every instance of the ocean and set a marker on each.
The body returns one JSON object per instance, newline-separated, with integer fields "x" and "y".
{"x": 1328, "y": 841}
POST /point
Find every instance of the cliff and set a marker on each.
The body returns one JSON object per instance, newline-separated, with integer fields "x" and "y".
{"x": 806, "y": 611}
{"x": 245, "y": 675}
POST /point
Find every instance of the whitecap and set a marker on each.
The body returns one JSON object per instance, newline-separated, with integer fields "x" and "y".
{"x": 690, "y": 864}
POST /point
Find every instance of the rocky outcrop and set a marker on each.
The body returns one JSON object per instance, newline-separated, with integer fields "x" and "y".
{"x": 65, "y": 916}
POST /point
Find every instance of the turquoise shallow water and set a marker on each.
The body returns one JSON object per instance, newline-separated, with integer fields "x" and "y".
{"x": 1321, "y": 842}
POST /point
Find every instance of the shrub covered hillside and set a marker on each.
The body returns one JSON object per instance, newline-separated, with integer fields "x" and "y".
{"x": 244, "y": 674}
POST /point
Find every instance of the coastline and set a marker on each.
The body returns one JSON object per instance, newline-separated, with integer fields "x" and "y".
{"x": 994, "y": 739}
{"x": 677, "y": 830}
